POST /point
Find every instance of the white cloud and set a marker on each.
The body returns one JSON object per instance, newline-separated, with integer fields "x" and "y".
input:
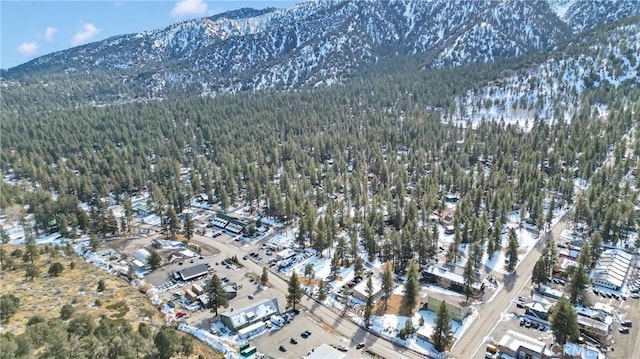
{"x": 28, "y": 48}
{"x": 49, "y": 33}
{"x": 186, "y": 8}
{"x": 85, "y": 34}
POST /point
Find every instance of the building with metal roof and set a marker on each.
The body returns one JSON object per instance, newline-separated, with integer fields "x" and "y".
{"x": 197, "y": 271}
{"x": 519, "y": 345}
{"x": 246, "y": 316}
{"x": 612, "y": 269}
{"x": 325, "y": 351}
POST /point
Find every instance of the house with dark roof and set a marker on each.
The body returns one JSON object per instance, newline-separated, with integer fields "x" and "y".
{"x": 193, "y": 272}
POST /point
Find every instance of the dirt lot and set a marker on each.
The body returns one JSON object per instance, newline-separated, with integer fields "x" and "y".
{"x": 394, "y": 306}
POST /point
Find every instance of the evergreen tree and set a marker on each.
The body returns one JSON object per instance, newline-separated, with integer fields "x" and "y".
{"x": 441, "y": 336}
{"x": 368, "y": 309}
{"x": 32, "y": 271}
{"x": 322, "y": 290}
{"x": 264, "y": 278}
{"x": 55, "y": 269}
{"x": 469, "y": 276}
{"x": 578, "y": 281}
{"x": 309, "y": 272}
{"x": 31, "y": 252}
{"x": 167, "y": 342}
{"x": 217, "y": 296}
{"x": 412, "y": 287}
{"x": 596, "y": 247}
{"x": 358, "y": 265}
{"x": 512, "y": 251}
{"x": 173, "y": 223}
{"x": 101, "y": 286}
{"x": 387, "y": 283}
{"x": 294, "y": 293}
{"x": 188, "y": 226}
{"x": 564, "y": 322}
{"x": 154, "y": 260}
{"x": 9, "y": 305}
{"x": 539, "y": 274}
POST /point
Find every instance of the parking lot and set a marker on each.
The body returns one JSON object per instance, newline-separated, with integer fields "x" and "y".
{"x": 269, "y": 343}
{"x": 623, "y": 345}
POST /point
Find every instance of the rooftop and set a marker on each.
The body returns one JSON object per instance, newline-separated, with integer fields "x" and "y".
{"x": 193, "y": 272}
{"x": 612, "y": 266}
{"x": 324, "y": 351}
{"x": 514, "y": 341}
{"x": 578, "y": 351}
{"x": 362, "y": 286}
{"x": 443, "y": 273}
{"x": 250, "y": 313}
{"x": 592, "y": 323}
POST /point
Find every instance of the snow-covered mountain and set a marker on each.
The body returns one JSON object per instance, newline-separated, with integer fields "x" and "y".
{"x": 323, "y": 42}
{"x": 554, "y": 89}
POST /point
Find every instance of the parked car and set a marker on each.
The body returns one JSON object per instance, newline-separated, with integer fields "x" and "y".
{"x": 624, "y": 330}
{"x": 305, "y": 334}
{"x": 527, "y": 323}
{"x": 360, "y": 346}
{"x": 282, "y": 348}
{"x": 635, "y": 295}
{"x": 293, "y": 341}
{"x": 342, "y": 348}
{"x": 626, "y": 323}
{"x": 543, "y": 327}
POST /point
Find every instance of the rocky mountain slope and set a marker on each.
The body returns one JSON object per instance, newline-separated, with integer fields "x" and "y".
{"x": 316, "y": 43}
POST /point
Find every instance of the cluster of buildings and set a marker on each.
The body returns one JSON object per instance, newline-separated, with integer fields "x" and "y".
{"x": 231, "y": 224}
{"x": 517, "y": 345}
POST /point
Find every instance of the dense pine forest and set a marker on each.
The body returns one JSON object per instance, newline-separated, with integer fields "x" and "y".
{"x": 385, "y": 146}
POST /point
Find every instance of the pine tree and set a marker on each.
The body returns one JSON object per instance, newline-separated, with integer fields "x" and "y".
{"x": 441, "y": 336}
{"x": 322, "y": 290}
{"x": 295, "y": 291}
{"x": 564, "y": 322}
{"x": 512, "y": 251}
{"x": 469, "y": 276}
{"x": 264, "y": 278}
{"x": 309, "y": 272}
{"x": 412, "y": 288}
{"x": 368, "y": 309}
{"x": 216, "y": 294}
{"x": 539, "y": 274}
{"x": 578, "y": 281}
{"x": 387, "y": 283}
{"x": 188, "y": 226}
{"x": 154, "y": 260}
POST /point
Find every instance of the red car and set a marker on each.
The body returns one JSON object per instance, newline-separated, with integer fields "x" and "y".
{"x": 181, "y": 314}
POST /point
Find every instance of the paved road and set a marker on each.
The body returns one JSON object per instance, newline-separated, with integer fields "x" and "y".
{"x": 330, "y": 316}
{"x": 472, "y": 341}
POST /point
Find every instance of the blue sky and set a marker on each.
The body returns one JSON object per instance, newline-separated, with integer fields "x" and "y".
{"x": 29, "y": 29}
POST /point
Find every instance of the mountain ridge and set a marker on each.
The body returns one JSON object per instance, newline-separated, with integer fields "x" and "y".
{"x": 322, "y": 42}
